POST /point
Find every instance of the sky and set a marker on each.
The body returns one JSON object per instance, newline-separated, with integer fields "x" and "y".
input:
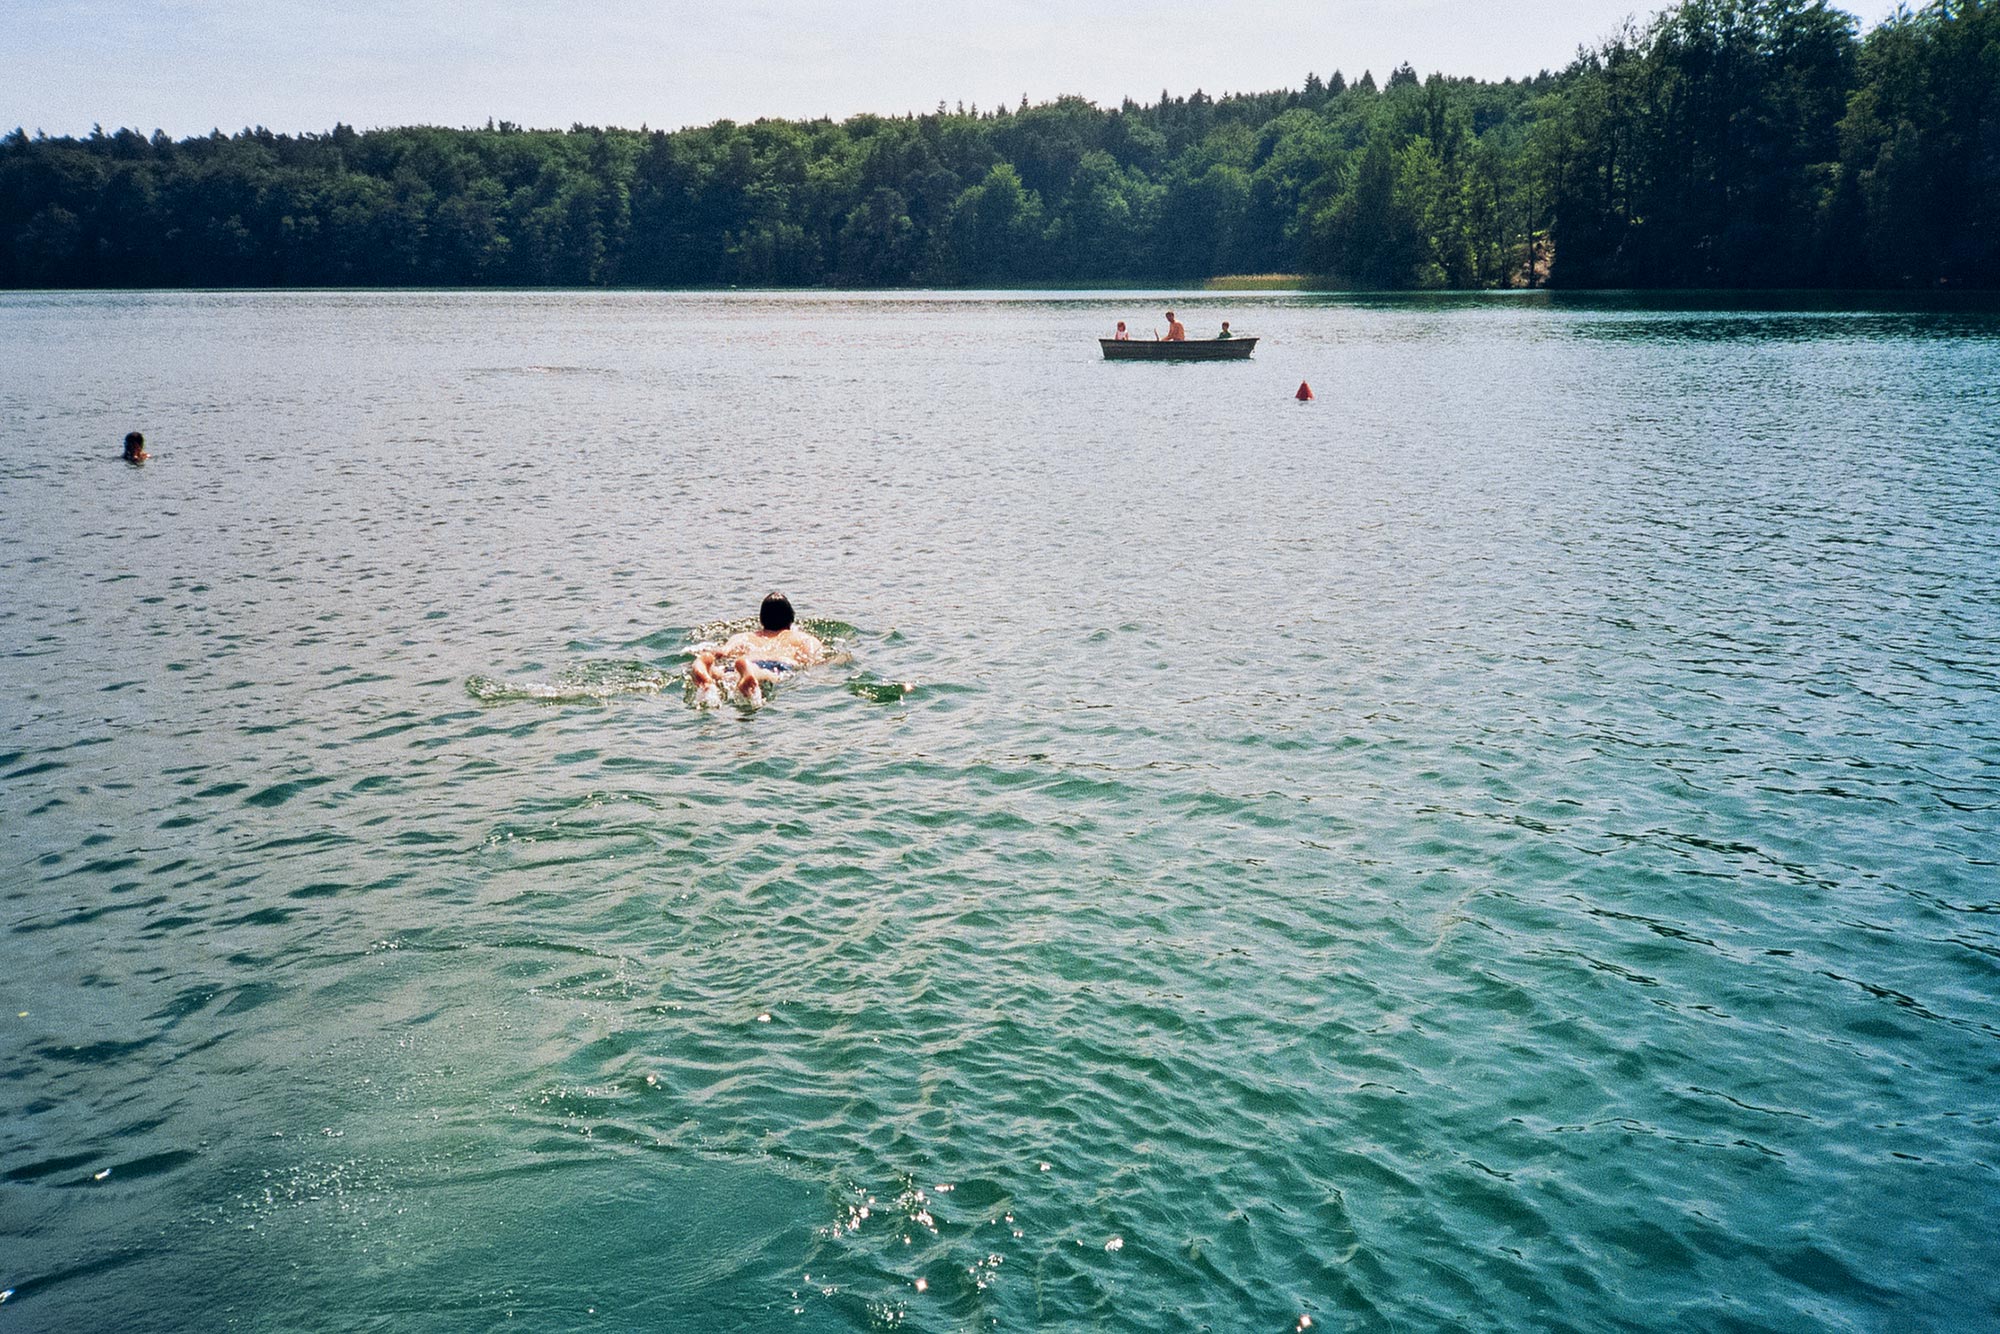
{"x": 188, "y": 67}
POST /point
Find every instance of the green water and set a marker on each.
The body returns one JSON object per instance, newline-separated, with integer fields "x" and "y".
{"x": 1508, "y": 845}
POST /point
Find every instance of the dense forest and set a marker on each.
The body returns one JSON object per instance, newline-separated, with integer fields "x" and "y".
{"x": 1730, "y": 143}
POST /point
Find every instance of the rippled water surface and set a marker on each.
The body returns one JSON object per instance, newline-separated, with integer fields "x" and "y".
{"x": 1508, "y": 845}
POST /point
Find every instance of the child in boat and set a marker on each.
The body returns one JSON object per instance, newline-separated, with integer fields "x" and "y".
{"x": 768, "y": 653}
{"x": 1121, "y": 335}
{"x": 1225, "y": 331}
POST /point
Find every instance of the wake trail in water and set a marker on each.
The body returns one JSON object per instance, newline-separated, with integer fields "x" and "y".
{"x": 590, "y": 682}
{"x": 600, "y": 680}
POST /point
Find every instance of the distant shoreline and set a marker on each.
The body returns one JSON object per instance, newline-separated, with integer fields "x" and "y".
{"x": 1207, "y": 292}
{"x": 1760, "y": 146}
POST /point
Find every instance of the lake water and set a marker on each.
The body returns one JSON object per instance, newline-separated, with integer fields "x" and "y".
{"x": 1510, "y": 844}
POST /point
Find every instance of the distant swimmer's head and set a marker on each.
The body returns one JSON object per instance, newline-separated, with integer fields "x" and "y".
{"x": 776, "y": 613}
{"x": 135, "y": 446}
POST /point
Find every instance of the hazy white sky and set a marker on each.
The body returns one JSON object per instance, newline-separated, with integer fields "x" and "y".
{"x": 187, "y": 66}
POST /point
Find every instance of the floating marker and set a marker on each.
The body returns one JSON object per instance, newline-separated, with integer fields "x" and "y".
{"x": 1305, "y": 394}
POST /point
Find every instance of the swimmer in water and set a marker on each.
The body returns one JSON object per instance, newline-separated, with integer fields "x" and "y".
{"x": 135, "y": 448}
{"x": 767, "y": 653}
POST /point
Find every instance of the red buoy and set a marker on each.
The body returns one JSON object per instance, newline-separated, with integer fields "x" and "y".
{"x": 1305, "y": 392}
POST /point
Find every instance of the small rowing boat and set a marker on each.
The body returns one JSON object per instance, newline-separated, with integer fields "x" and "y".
{"x": 1190, "y": 349}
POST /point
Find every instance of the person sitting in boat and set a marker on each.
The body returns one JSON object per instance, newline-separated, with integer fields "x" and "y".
{"x": 1121, "y": 335}
{"x": 1225, "y": 331}
{"x": 1176, "y": 331}
{"x": 768, "y": 653}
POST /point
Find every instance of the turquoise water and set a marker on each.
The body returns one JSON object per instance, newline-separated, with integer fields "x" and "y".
{"x": 1508, "y": 845}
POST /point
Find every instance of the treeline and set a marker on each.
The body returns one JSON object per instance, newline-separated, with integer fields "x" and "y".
{"x": 1727, "y": 143}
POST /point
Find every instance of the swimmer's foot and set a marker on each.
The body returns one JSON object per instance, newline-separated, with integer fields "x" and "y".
{"x": 703, "y": 681}
{"x": 747, "y": 683}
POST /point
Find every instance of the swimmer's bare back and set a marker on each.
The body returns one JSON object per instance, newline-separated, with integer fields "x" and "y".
{"x": 791, "y": 645}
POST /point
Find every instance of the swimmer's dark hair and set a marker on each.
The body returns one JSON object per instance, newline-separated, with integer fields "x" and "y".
{"x": 776, "y": 613}
{"x": 134, "y": 438}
